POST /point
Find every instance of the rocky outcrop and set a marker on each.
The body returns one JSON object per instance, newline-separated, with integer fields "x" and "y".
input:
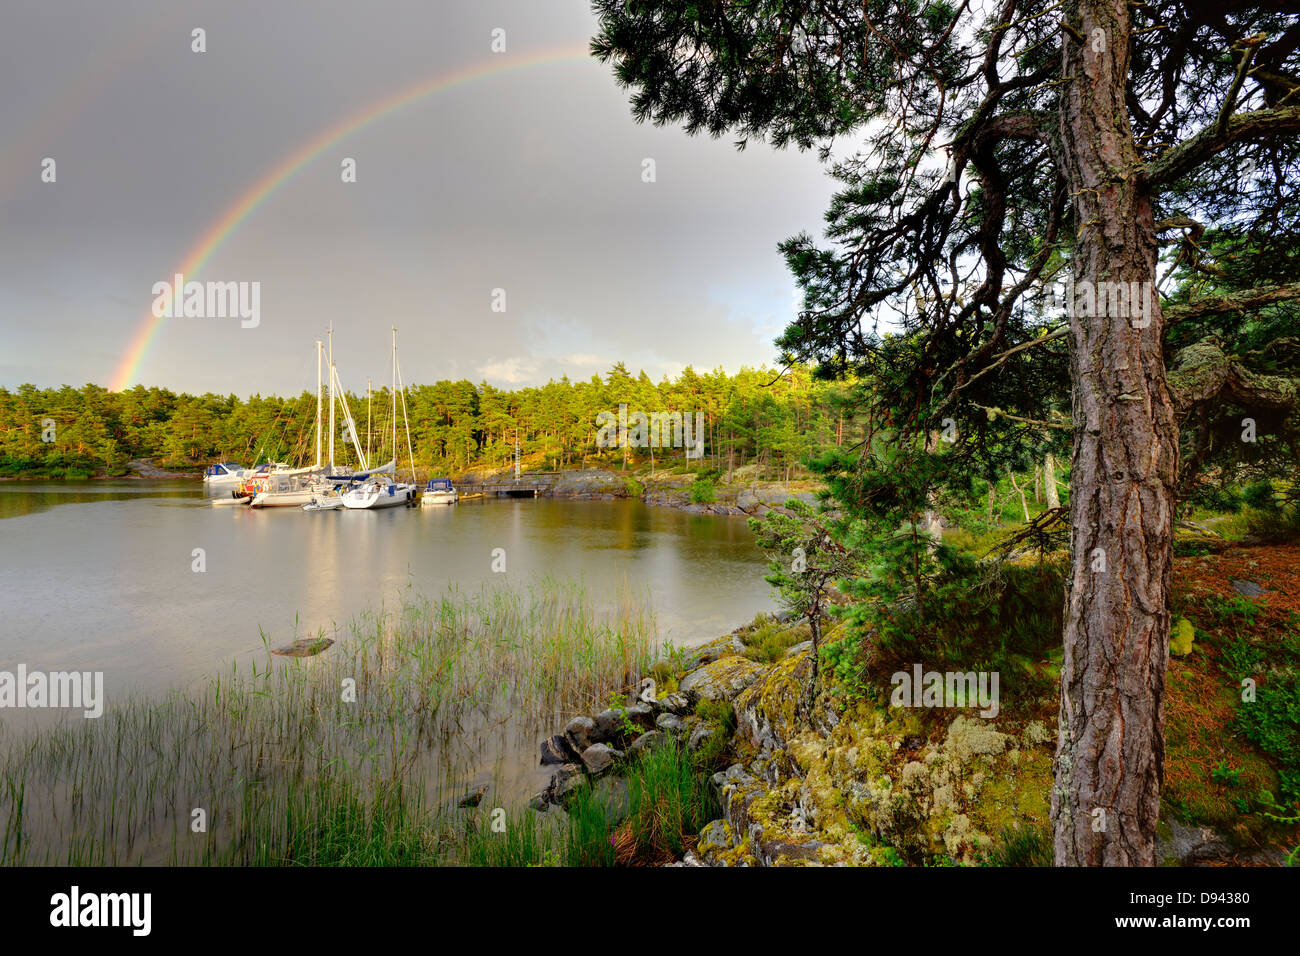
{"x": 724, "y": 679}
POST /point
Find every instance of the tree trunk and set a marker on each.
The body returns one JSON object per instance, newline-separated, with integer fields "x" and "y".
{"x": 1049, "y": 481}
{"x": 1024, "y": 505}
{"x": 1110, "y": 748}
{"x": 930, "y": 523}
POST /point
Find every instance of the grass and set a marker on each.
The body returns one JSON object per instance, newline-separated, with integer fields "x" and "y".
{"x": 288, "y": 771}
{"x": 668, "y": 801}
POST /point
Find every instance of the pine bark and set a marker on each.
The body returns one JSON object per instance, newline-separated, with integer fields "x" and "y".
{"x": 1110, "y": 749}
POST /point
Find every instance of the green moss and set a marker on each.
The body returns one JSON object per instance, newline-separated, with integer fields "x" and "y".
{"x": 1180, "y": 639}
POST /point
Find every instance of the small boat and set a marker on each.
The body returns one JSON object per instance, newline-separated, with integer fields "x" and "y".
{"x": 325, "y": 502}
{"x": 439, "y": 491}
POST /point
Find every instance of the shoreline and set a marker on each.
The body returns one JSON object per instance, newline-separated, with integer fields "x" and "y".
{"x": 745, "y": 496}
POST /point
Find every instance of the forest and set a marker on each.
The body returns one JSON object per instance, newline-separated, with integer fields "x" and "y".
{"x": 755, "y": 416}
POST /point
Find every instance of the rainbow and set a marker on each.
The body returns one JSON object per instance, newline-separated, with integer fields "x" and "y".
{"x": 281, "y": 173}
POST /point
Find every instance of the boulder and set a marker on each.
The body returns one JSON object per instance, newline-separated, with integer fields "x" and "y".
{"x": 716, "y": 649}
{"x": 647, "y": 741}
{"x": 1188, "y": 845}
{"x": 769, "y": 711}
{"x": 580, "y": 733}
{"x": 723, "y": 679}
{"x": 599, "y": 757}
{"x": 557, "y": 750}
{"x": 670, "y": 723}
{"x": 676, "y": 703}
{"x": 608, "y": 726}
{"x": 640, "y": 713}
{"x": 567, "y": 778}
{"x": 611, "y": 793}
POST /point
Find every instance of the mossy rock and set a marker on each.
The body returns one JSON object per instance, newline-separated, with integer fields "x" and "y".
{"x": 723, "y": 679}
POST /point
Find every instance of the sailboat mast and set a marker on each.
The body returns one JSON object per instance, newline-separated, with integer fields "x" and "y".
{"x": 332, "y": 374}
{"x": 368, "y": 383}
{"x": 318, "y": 396}
{"x": 394, "y": 396}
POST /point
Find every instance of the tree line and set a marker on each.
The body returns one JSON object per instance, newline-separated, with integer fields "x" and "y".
{"x": 753, "y": 417}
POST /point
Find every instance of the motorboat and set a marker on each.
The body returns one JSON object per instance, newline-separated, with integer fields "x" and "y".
{"x": 224, "y": 475}
{"x": 439, "y": 491}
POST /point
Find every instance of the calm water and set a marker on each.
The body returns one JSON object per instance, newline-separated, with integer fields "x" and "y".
{"x": 98, "y": 575}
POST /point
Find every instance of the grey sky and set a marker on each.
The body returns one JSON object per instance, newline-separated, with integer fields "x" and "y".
{"x": 530, "y": 181}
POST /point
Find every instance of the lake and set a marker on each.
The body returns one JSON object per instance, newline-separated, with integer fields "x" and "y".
{"x": 100, "y": 575}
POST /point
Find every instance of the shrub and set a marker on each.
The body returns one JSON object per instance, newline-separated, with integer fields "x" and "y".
{"x": 703, "y": 492}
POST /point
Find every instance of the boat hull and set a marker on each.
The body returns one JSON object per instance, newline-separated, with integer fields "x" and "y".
{"x": 281, "y": 499}
{"x": 438, "y": 498}
{"x": 372, "y": 497}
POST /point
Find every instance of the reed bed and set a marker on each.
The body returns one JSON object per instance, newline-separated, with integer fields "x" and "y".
{"x": 288, "y": 770}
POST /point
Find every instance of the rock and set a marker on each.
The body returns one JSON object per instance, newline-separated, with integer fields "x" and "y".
{"x": 1188, "y": 844}
{"x": 556, "y": 750}
{"x": 599, "y": 757}
{"x": 723, "y": 679}
{"x": 670, "y": 723}
{"x": 798, "y": 649}
{"x": 1249, "y": 589}
{"x": 608, "y": 726}
{"x": 769, "y": 711}
{"x": 700, "y": 735}
{"x": 716, "y": 649}
{"x": 675, "y": 703}
{"x": 474, "y": 798}
{"x": 642, "y": 714}
{"x": 716, "y": 834}
{"x": 580, "y": 732}
{"x": 611, "y": 793}
{"x": 304, "y": 647}
{"x": 690, "y": 859}
{"x": 647, "y": 741}
{"x": 564, "y": 781}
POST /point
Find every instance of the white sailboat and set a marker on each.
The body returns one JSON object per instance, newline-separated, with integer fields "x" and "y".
{"x": 377, "y": 492}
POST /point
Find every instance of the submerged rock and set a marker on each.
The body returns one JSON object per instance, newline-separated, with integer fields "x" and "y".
{"x": 474, "y": 798}
{"x": 304, "y": 647}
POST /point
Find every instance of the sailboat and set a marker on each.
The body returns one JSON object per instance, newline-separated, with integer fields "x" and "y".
{"x": 300, "y": 487}
{"x": 377, "y": 492}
